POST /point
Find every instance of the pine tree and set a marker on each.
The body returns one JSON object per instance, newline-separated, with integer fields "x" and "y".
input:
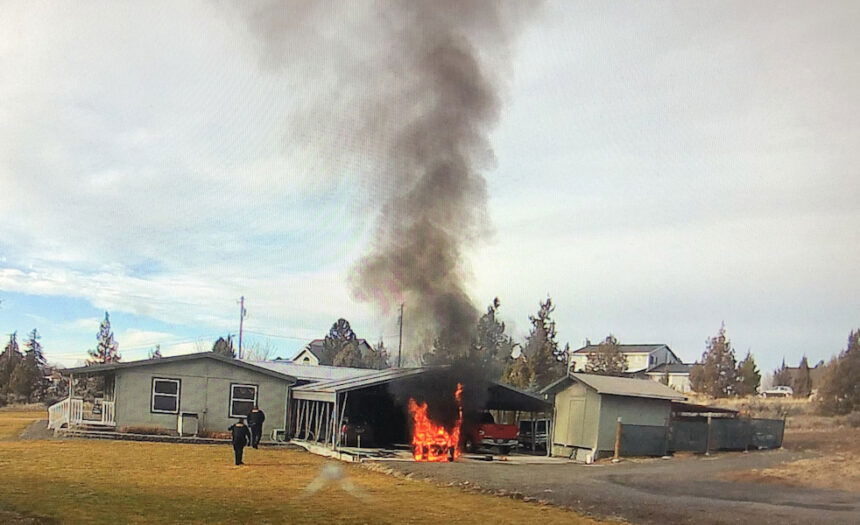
{"x": 28, "y": 380}
{"x": 749, "y": 376}
{"x": 339, "y": 336}
{"x": 717, "y": 374}
{"x": 9, "y": 360}
{"x": 546, "y": 360}
{"x": 519, "y": 374}
{"x": 608, "y": 359}
{"x": 349, "y": 355}
{"x": 802, "y": 383}
{"x": 224, "y": 347}
{"x": 492, "y": 347}
{"x": 378, "y": 357}
{"x": 106, "y": 350}
{"x": 840, "y": 390}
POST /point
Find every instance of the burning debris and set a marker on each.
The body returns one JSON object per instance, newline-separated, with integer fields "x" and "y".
{"x": 431, "y": 441}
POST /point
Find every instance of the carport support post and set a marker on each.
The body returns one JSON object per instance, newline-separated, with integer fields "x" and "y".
{"x": 340, "y": 421}
{"x": 534, "y": 432}
{"x": 618, "y": 439}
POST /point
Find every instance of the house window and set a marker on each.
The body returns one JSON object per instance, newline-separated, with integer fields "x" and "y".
{"x": 242, "y": 399}
{"x": 165, "y": 395}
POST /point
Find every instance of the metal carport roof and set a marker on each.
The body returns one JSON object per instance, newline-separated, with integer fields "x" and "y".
{"x": 501, "y": 397}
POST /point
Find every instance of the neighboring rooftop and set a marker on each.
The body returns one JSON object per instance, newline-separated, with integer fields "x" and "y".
{"x": 671, "y": 368}
{"x": 317, "y": 348}
{"x": 627, "y": 349}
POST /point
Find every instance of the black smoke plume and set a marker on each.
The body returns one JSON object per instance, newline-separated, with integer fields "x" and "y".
{"x": 408, "y": 92}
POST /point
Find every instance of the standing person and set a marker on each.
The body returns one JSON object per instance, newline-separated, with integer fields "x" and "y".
{"x": 255, "y": 421}
{"x": 241, "y": 437}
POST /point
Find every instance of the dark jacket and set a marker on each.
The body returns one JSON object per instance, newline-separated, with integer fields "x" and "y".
{"x": 256, "y": 418}
{"x": 241, "y": 434}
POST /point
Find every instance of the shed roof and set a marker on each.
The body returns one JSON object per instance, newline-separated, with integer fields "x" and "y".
{"x": 95, "y": 369}
{"x": 617, "y": 386}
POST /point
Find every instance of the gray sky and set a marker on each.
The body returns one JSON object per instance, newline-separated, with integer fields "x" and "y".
{"x": 661, "y": 167}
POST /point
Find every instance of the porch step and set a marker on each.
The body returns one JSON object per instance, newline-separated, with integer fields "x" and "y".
{"x": 95, "y": 427}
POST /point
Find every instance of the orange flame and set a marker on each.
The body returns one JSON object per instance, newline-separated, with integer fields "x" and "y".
{"x": 432, "y": 442}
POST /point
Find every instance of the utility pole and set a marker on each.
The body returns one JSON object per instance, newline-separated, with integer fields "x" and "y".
{"x": 241, "y": 322}
{"x": 400, "y": 341}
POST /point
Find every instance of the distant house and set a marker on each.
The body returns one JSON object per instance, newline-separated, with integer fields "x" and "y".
{"x": 674, "y": 375}
{"x": 816, "y": 373}
{"x": 639, "y": 357}
{"x": 183, "y": 394}
{"x": 587, "y": 409}
{"x": 315, "y": 354}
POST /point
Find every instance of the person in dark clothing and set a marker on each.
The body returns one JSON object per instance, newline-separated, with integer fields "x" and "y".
{"x": 255, "y": 422}
{"x": 241, "y": 438}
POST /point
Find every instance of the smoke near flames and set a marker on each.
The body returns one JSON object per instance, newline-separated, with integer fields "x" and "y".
{"x": 407, "y": 93}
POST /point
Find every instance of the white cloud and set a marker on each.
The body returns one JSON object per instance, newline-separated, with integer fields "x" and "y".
{"x": 660, "y": 169}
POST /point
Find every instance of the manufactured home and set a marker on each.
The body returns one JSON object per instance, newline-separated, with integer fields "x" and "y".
{"x": 186, "y": 394}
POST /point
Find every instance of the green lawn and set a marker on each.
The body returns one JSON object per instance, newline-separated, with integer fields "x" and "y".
{"x": 95, "y": 481}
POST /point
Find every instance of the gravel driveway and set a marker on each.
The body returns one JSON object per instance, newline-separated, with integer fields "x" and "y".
{"x": 678, "y": 490}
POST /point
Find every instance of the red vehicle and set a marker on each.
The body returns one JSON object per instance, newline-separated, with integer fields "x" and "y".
{"x": 483, "y": 432}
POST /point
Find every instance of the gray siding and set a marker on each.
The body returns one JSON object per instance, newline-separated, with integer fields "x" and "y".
{"x": 633, "y": 411}
{"x": 205, "y": 390}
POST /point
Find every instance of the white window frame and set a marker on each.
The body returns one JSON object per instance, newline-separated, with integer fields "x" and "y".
{"x": 232, "y": 399}
{"x": 153, "y": 394}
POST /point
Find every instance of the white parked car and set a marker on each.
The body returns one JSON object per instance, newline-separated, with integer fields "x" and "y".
{"x": 778, "y": 391}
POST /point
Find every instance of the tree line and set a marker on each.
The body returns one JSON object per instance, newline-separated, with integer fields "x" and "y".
{"x": 22, "y": 374}
{"x": 719, "y": 374}
{"x": 539, "y": 360}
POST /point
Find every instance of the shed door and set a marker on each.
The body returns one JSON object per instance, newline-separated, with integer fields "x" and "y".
{"x": 575, "y": 421}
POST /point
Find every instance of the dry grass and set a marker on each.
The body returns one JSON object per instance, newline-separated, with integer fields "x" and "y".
{"x": 836, "y": 464}
{"x": 755, "y": 406}
{"x": 13, "y": 421}
{"x": 81, "y": 481}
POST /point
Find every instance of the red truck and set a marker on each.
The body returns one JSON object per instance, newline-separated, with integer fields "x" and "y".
{"x": 481, "y": 431}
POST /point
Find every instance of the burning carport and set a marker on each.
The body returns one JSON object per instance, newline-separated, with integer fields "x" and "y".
{"x": 372, "y": 410}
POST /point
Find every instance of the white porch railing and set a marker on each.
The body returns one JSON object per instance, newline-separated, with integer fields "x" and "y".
{"x": 70, "y": 412}
{"x": 58, "y": 414}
